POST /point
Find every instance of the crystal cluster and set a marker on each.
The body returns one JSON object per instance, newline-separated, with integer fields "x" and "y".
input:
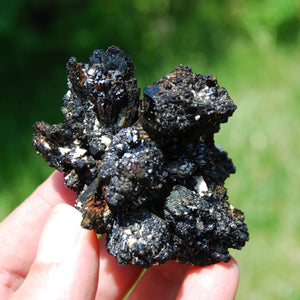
{"x": 147, "y": 172}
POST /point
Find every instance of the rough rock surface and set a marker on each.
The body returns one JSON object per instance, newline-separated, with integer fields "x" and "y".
{"x": 146, "y": 171}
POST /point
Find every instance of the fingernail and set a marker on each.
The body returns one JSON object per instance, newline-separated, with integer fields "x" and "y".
{"x": 60, "y": 234}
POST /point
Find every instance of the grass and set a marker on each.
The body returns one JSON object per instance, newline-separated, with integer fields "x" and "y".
{"x": 262, "y": 138}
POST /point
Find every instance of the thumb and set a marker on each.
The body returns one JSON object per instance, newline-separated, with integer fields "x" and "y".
{"x": 67, "y": 263}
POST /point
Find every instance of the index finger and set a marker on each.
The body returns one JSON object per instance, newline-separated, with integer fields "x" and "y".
{"x": 21, "y": 230}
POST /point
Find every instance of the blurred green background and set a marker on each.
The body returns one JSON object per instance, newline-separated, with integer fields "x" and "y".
{"x": 252, "y": 47}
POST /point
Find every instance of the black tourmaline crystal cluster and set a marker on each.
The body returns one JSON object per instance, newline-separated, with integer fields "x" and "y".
{"x": 147, "y": 172}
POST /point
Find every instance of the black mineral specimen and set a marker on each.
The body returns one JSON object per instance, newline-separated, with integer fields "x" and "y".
{"x": 147, "y": 172}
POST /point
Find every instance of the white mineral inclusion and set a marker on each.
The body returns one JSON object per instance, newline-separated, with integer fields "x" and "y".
{"x": 77, "y": 142}
{"x": 91, "y": 72}
{"x": 105, "y": 140}
{"x": 131, "y": 241}
{"x": 78, "y": 152}
{"x": 46, "y": 145}
{"x": 199, "y": 225}
{"x": 96, "y": 125}
{"x": 127, "y": 231}
{"x": 64, "y": 150}
{"x": 203, "y": 94}
{"x": 231, "y": 207}
{"x": 78, "y": 205}
{"x": 201, "y": 186}
{"x": 75, "y": 152}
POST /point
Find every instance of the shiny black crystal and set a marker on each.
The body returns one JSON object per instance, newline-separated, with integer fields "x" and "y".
{"x": 147, "y": 172}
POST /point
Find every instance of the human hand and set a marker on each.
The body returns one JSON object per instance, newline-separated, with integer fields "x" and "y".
{"x": 46, "y": 254}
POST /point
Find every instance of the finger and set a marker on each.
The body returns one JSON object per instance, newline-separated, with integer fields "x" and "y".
{"x": 218, "y": 281}
{"x": 66, "y": 265}
{"x": 160, "y": 282}
{"x": 114, "y": 280}
{"x": 20, "y": 231}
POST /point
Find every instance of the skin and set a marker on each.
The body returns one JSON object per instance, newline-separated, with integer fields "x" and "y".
{"x": 46, "y": 254}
